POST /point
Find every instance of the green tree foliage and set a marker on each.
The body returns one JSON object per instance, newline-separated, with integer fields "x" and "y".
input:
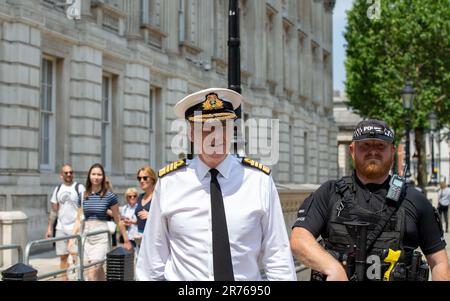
{"x": 409, "y": 40}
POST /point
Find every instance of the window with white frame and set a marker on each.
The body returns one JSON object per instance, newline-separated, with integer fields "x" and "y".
{"x": 151, "y": 127}
{"x": 47, "y": 109}
{"x": 106, "y": 122}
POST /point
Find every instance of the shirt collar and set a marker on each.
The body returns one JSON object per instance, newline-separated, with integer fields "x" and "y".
{"x": 368, "y": 189}
{"x": 224, "y": 168}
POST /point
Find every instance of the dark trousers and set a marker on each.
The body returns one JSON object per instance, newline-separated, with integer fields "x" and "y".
{"x": 114, "y": 239}
{"x": 443, "y": 211}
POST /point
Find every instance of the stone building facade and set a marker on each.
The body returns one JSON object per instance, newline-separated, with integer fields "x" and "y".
{"x": 346, "y": 121}
{"x": 102, "y": 88}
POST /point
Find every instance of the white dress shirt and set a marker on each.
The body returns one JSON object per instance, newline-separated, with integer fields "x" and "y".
{"x": 177, "y": 241}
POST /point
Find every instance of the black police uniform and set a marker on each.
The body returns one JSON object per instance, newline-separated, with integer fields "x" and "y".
{"x": 412, "y": 224}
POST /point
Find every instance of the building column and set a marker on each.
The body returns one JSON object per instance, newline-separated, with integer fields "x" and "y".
{"x": 324, "y": 157}
{"x": 205, "y": 31}
{"x": 177, "y": 89}
{"x": 261, "y": 149}
{"x": 86, "y": 9}
{"x": 172, "y": 28}
{"x": 133, "y": 10}
{"x": 86, "y": 111}
{"x": 278, "y": 49}
{"x": 307, "y": 73}
{"x": 313, "y": 150}
{"x": 284, "y": 164}
{"x": 20, "y": 73}
{"x": 333, "y": 151}
{"x": 293, "y": 63}
{"x": 300, "y": 145}
{"x": 136, "y": 118}
{"x": 20, "y": 64}
{"x": 256, "y": 21}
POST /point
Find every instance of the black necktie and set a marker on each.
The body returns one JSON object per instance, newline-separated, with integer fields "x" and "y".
{"x": 223, "y": 267}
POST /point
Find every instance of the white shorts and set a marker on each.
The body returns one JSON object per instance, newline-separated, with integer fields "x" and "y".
{"x": 61, "y": 246}
{"x": 96, "y": 246}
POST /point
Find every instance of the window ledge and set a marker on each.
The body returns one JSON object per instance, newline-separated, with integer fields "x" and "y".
{"x": 189, "y": 47}
{"x": 109, "y": 9}
{"x": 154, "y": 30}
{"x": 219, "y": 61}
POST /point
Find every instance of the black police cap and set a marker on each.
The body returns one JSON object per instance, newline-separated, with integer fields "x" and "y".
{"x": 373, "y": 129}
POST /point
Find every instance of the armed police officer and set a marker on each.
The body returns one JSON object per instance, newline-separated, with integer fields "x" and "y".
{"x": 216, "y": 217}
{"x": 371, "y": 223}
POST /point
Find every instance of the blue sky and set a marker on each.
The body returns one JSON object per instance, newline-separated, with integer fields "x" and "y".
{"x": 339, "y": 23}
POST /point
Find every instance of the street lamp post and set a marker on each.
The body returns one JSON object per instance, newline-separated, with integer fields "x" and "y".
{"x": 433, "y": 125}
{"x": 234, "y": 59}
{"x": 408, "y": 95}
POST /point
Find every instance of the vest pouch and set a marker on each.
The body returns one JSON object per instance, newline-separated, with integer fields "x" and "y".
{"x": 423, "y": 273}
{"x": 338, "y": 235}
{"x": 419, "y": 269}
{"x": 387, "y": 240}
{"x": 399, "y": 272}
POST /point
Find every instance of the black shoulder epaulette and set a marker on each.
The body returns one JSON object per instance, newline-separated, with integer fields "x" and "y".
{"x": 172, "y": 167}
{"x": 254, "y": 164}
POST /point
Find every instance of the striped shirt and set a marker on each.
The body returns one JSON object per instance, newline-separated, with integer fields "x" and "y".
{"x": 95, "y": 207}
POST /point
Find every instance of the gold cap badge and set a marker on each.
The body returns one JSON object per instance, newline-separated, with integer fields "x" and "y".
{"x": 212, "y": 102}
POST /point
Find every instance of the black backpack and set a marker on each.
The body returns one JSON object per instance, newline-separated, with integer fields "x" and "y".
{"x": 76, "y": 189}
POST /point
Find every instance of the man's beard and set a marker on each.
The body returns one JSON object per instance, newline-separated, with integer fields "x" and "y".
{"x": 373, "y": 170}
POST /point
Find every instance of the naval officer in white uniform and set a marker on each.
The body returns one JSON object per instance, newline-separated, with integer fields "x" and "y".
{"x": 216, "y": 217}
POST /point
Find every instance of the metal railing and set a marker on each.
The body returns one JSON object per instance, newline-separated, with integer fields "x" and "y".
{"x": 33, "y": 243}
{"x": 14, "y": 247}
{"x": 80, "y": 246}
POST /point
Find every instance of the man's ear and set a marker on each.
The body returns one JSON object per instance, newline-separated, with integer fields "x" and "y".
{"x": 351, "y": 148}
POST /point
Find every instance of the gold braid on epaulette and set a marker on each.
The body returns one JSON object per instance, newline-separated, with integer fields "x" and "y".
{"x": 172, "y": 167}
{"x": 257, "y": 165}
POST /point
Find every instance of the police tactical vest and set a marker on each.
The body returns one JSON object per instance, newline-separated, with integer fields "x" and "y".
{"x": 390, "y": 221}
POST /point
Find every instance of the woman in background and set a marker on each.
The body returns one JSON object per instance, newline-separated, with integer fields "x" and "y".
{"x": 95, "y": 202}
{"x": 127, "y": 214}
{"x": 146, "y": 177}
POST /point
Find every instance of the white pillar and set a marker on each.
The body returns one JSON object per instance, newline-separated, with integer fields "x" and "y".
{"x": 13, "y": 231}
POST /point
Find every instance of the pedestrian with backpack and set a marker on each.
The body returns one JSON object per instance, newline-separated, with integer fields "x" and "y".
{"x": 64, "y": 201}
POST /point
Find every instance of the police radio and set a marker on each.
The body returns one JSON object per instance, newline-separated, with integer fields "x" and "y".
{"x": 396, "y": 187}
